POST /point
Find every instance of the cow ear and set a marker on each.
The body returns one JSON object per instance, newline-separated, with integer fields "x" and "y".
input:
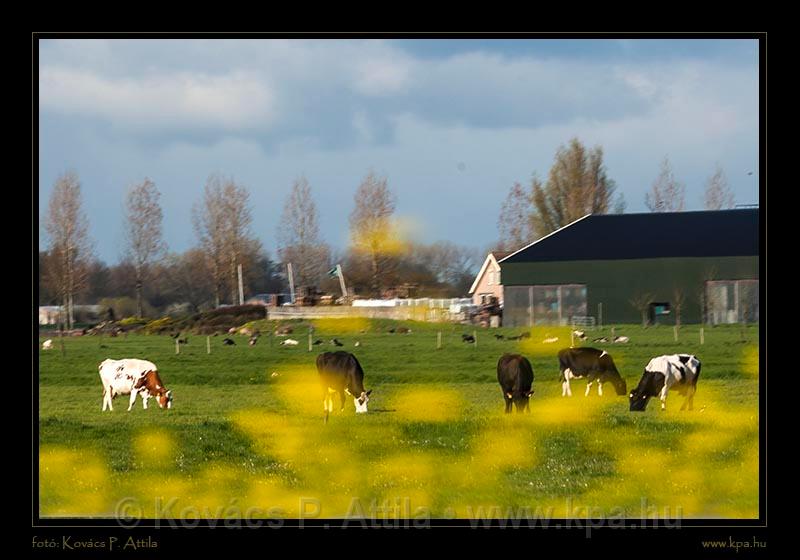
{"x": 529, "y": 393}
{"x": 369, "y": 392}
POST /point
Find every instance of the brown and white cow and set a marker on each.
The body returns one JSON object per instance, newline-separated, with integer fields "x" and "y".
{"x": 131, "y": 376}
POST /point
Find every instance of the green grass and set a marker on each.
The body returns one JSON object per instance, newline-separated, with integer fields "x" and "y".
{"x": 435, "y": 440}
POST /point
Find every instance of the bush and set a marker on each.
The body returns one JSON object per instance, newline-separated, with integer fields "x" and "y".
{"x": 160, "y": 326}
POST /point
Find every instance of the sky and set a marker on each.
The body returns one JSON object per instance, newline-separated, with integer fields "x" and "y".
{"x": 452, "y": 124}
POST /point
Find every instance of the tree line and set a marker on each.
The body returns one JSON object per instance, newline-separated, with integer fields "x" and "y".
{"x": 150, "y": 280}
{"x": 578, "y": 184}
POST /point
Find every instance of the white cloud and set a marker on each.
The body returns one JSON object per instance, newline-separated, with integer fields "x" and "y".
{"x": 191, "y": 100}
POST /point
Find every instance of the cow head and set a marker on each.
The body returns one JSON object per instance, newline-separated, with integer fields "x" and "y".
{"x": 649, "y": 386}
{"x": 521, "y": 399}
{"x": 165, "y": 400}
{"x": 620, "y": 386}
{"x": 361, "y": 401}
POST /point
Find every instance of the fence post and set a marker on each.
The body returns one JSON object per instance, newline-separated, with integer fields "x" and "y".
{"x": 309, "y": 341}
{"x": 177, "y": 346}
{"x": 600, "y": 315}
{"x": 475, "y": 336}
{"x": 702, "y": 336}
{"x": 612, "y": 334}
{"x": 439, "y": 340}
{"x": 675, "y": 332}
{"x": 571, "y": 338}
{"x": 208, "y": 344}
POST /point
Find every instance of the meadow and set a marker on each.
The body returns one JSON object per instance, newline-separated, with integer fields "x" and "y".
{"x": 246, "y": 438}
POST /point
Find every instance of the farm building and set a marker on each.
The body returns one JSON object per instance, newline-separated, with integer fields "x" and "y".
{"x": 488, "y": 282}
{"x": 621, "y": 268}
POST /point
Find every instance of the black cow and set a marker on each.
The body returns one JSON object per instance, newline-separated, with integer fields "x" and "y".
{"x": 662, "y": 373}
{"x": 515, "y": 374}
{"x": 340, "y": 372}
{"x": 228, "y": 342}
{"x": 468, "y": 338}
{"x": 591, "y": 363}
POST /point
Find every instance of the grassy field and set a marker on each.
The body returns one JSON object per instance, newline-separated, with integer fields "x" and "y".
{"x": 242, "y": 442}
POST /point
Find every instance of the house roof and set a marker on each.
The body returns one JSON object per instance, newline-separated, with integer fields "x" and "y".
{"x": 494, "y": 255}
{"x": 718, "y": 233}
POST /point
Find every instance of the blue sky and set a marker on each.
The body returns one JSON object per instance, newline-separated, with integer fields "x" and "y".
{"x": 451, "y": 123}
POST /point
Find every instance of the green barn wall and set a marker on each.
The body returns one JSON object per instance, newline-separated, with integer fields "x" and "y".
{"x": 614, "y": 282}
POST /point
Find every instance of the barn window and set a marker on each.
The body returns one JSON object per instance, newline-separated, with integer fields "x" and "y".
{"x": 543, "y": 305}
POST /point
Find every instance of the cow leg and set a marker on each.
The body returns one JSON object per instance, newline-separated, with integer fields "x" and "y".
{"x": 105, "y": 399}
{"x": 145, "y": 396}
{"x": 664, "y": 398}
{"x": 569, "y": 390}
{"x": 599, "y": 389}
{"x": 341, "y": 400}
{"x": 588, "y": 388}
{"x": 508, "y": 403}
{"x": 132, "y": 399}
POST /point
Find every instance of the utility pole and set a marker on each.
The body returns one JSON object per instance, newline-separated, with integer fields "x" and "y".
{"x": 241, "y": 287}
{"x": 291, "y": 280}
{"x": 341, "y": 280}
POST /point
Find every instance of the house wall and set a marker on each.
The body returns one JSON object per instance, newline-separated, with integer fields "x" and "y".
{"x": 484, "y": 287}
{"x": 613, "y": 283}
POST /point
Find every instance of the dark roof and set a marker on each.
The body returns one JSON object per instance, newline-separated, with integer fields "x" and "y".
{"x": 719, "y": 233}
{"x": 499, "y": 255}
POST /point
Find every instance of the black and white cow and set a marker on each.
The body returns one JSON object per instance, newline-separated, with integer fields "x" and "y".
{"x": 340, "y": 372}
{"x": 591, "y": 363}
{"x": 662, "y": 373}
{"x": 515, "y": 374}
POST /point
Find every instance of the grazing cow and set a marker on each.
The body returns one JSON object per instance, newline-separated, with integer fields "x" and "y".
{"x": 678, "y": 371}
{"x": 47, "y": 344}
{"x": 467, "y": 338}
{"x": 289, "y": 342}
{"x": 499, "y": 336}
{"x": 515, "y": 375}
{"x": 228, "y": 342}
{"x": 319, "y": 341}
{"x": 580, "y": 334}
{"x": 132, "y": 377}
{"x": 340, "y": 372}
{"x": 336, "y": 342}
{"x": 591, "y": 363}
{"x": 601, "y": 339}
{"x": 621, "y": 339}
{"x": 183, "y": 340}
{"x": 253, "y": 340}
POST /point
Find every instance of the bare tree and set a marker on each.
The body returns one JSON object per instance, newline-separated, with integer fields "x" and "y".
{"x": 143, "y": 232}
{"x": 298, "y": 236}
{"x": 578, "y": 184}
{"x": 70, "y": 248}
{"x": 222, "y": 224}
{"x": 678, "y": 299}
{"x": 372, "y": 232}
{"x": 514, "y": 223}
{"x": 718, "y": 195}
{"x": 208, "y": 219}
{"x": 666, "y": 193}
{"x": 641, "y": 302}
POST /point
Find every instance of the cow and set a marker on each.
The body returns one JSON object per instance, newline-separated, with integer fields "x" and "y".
{"x": 47, "y": 344}
{"x": 662, "y": 373}
{"x": 621, "y": 340}
{"x": 591, "y": 363}
{"x": 132, "y": 377}
{"x": 468, "y": 338}
{"x": 228, "y": 341}
{"x": 335, "y": 342}
{"x": 580, "y": 334}
{"x": 340, "y": 372}
{"x": 515, "y": 375}
{"x": 289, "y": 342}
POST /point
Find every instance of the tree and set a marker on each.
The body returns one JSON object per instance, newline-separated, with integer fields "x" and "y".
{"x": 298, "y": 236}
{"x": 514, "y": 223}
{"x": 577, "y": 185}
{"x": 641, "y": 302}
{"x": 70, "y": 248}
{"x": 667, "y": 193}
{"x": 373, "y": 234}
{"x": 222, "y": 224}
{"x": 143, "y": 232}
{"x": 718, "y": 195}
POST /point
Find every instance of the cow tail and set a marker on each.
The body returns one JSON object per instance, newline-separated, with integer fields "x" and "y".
{"x": 697, "y": 374}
